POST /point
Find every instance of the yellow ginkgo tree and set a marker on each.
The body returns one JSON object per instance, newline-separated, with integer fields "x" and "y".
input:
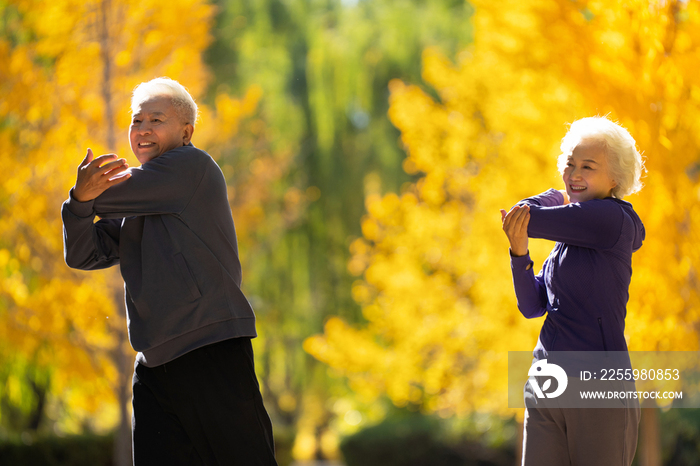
{"x": 67, "y": 69}
{"x": 435, "y": 282}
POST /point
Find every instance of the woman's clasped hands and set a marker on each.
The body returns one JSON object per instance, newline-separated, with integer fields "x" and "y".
{"x": 515, "y": 225}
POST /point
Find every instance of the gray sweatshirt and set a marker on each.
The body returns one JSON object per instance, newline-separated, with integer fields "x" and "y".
{"x": 170, "y": 229}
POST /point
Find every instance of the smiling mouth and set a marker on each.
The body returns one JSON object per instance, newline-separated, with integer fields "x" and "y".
{"x": 577, "y": 189}
{"x": 146, "y": 144}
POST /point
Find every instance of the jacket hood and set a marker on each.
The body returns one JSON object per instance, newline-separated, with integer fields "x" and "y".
{"x": 639, "y": 232}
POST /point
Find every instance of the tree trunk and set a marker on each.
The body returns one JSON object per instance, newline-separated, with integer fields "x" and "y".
{"x": 649, "y": 448}
{"x": 120, "y": 355}
{"x": 106, "y": 73}
{"x": 519, "y": 442}
{"x": 37, "y": 414}
{"x": 123, "y": 360}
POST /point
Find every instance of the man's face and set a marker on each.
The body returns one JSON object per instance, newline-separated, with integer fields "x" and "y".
{"x": 156, "y": 128}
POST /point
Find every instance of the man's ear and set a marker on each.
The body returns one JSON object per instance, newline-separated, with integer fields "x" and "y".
{"x": 187, "y": 133}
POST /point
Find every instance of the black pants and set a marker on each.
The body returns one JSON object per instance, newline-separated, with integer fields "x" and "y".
{"x": 203, "y": 408}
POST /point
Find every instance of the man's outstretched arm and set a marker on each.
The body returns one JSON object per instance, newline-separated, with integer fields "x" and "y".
{"x": 164, "y": 185}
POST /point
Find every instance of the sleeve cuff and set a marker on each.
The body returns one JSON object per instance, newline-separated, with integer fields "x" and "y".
{"x": 80, "y": 209}
{"x": 520, "y": 262}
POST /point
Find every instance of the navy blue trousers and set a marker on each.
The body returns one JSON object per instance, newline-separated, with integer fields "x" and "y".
{"x": 203, "y": 408}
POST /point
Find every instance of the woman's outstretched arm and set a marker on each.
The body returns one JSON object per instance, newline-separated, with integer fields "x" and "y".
{"x": 595, "y": 224}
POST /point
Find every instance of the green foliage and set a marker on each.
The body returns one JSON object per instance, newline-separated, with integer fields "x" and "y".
{"x": 324, "y": 69}
{"x": 680, "y": 436}
{"x": 23, "y": 396}
{"x": 79, "y": 450}
{"x": 284, "y": 442}
{"x": 89, "y": 450}
{"x": 412, "y": 439}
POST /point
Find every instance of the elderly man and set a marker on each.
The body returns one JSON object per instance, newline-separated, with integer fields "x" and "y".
{"x": 168, "y": 225}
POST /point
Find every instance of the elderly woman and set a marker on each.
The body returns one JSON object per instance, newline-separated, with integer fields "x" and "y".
{"x": 582, "y": 287}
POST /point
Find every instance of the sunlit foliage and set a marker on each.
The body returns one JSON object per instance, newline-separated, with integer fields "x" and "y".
{"x": 67, "y": 69}
{"x": 323, "y": 68}
{"x": 435, "y": 283}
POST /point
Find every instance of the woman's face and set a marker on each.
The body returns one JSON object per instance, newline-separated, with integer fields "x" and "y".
{"x": 587, "y": 174}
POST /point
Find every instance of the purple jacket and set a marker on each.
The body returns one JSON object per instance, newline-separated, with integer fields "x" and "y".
{"x": 583, "y": 286}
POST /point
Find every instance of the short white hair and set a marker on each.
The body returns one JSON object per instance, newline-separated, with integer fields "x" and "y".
{"x": 625, "y": 161}
{"x": 183, "y": 102}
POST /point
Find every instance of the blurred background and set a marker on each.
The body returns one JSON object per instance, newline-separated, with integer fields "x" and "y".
{"x": 368, "y": 146}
